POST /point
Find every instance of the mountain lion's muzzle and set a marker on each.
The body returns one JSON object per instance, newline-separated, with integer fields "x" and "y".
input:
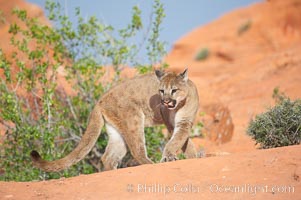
{"x": 169, "y": 103}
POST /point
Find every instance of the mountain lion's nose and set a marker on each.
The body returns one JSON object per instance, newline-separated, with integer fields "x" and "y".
{"x": 166, "y": 101}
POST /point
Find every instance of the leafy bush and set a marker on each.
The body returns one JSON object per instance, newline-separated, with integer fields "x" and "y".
{"x": 244, "y": 27}
{"x": 155, "y": 142}
{"x": 202, "y": 54}
{"x": 37, "y": 113}
{"x": 279, "y": 126}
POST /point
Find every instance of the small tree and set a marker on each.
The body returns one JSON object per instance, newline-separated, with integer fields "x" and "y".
{"x": 40, "y": 115}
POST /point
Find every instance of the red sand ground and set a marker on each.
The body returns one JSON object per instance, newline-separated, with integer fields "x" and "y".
{"x": 240, "y": 74}
{"x": 275, "y": 174}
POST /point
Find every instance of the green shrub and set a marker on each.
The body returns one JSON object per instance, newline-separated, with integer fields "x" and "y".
{"x": 279, "y": 126}
{"x": 244, "y": 27}
{"x": 155, "y": 142}
{"x": 202, "y": 54}
{"x": 40, "y": 115}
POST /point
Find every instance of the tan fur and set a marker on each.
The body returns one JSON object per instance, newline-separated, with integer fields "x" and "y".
{"x": 129, "y": 107}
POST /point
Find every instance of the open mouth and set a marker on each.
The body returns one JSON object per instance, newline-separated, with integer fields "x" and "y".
{"x": 170, "y": 105}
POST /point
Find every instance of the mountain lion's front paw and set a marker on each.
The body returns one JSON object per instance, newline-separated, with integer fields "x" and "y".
{"x": 168, "y": 158}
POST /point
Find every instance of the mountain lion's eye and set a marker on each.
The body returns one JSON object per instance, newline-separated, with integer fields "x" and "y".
{"x": 174, "y": 91}
{"x": 161, "y": 91}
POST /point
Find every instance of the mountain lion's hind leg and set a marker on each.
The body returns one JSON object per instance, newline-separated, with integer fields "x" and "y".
{"x": 115, "y": 150}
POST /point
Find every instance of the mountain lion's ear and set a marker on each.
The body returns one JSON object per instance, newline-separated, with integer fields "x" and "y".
{"x": 159, "y": 74}
{"x": 184, "y": 74}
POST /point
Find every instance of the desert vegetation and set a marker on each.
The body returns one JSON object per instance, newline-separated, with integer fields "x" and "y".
{"x": 279, "y": 125}
{"x": 38, "y": 113}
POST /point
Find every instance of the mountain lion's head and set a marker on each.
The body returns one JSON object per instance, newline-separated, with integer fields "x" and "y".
{"x": 173, "y": 88}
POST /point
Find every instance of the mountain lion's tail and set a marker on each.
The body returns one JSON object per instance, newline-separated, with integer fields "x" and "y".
{"x": 85, "y": 145}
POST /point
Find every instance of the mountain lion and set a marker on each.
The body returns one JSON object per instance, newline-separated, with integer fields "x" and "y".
{"x": 128, "y": 107}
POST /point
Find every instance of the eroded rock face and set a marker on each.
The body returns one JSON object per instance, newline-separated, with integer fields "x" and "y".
{"x": 247, "y": 61}
{"x": 218, "y": 124}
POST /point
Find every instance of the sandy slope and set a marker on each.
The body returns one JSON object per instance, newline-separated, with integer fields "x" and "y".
{"x": 269, "y": 174}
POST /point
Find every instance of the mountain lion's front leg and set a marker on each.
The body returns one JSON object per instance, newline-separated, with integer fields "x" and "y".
{"x": 189, "y": 149}
{"x": 177, "y": 141}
